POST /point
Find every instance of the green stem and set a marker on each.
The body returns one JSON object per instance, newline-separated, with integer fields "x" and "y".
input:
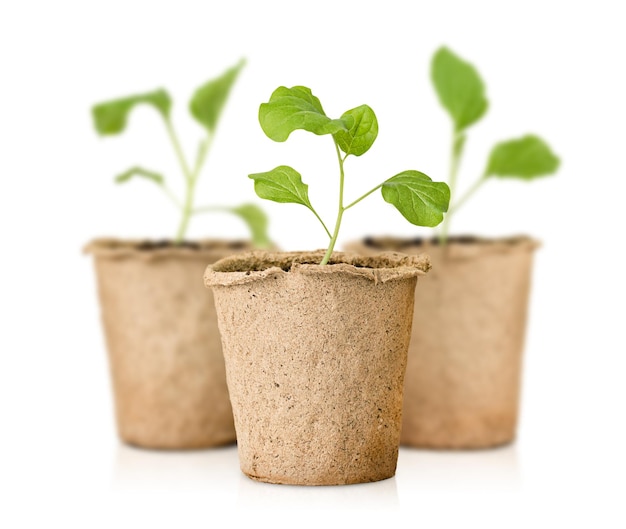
{"x": 210, "y": 209}
{"x": 468, "y": 194}
{"x": 177, "y": 148}
{"x": 191, "y": 180}
{"x": 455, "y": 159}
{"x": 203, "y": 150}
{"x": 187, "y": 212}
{"x": 362, "y": 197}
{"x": 171, "y": 196}
{"x": 333, "y": 239}
{"x": 322, "y": 222}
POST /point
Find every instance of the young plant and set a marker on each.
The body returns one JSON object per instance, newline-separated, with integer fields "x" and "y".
{"x": 461, "y": 92}
{"x": 206, "y": 107}
{"x": 420, "y": 200}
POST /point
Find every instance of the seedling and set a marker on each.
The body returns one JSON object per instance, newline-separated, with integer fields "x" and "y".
{"x": 420, "y": 200}
{"x": 206, "y": 107}
{"x": 461, "y": 92}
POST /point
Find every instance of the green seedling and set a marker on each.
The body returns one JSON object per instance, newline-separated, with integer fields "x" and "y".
{"x": 461, "y": 92}
{"x": 206, "y": 107}
{"x": 420, "y": 200}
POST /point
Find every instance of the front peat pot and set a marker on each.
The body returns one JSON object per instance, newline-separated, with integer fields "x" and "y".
{"x": 465, "y": 357}
{"x": 315, "y": 361}
{"x": 164, "y": 347}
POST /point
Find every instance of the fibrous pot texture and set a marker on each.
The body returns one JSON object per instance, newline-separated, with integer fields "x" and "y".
{"x": 315, "y": 361}
{"x": 164, "y": 348}
{"x": 464, "y": 367}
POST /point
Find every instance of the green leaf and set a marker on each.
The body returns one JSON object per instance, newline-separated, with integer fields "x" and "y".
{"x": 460, "y": 89}
{"x": 257, "y": 222}
{"x": 139, "y": 171}
{"x": 527, "y": 157}
{"x": 362, "y": 131}
{"x": 295, "y": 108}
{"x": 110, "y": 117}
{"x": 282, "y": 184}
{"x": 420, "y": 200}
{"x": 208, "y": 101}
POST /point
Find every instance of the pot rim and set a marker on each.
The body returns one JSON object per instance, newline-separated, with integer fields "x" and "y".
{"x": 150, "y": 249}
{"x": 458, "y": 247}
{"x": 257, "y": 265}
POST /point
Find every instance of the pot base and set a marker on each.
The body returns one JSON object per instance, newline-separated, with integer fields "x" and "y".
{"x": 272, "y": 481}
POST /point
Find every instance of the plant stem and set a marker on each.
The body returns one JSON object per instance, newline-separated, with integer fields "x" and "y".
{"x": 187, "y": 212}
{"x": 203, "y": 150}
{"x": 362, "y": 197}
{"x": 171, "y": 196}
{"x": 333, "y": 239}
{"x": 177, "y": 148}
{"x": 191, "y": 179}
{"x": 468, "y": 194}
{"x": 322, "y": 222}
{"x": 210, "y": 209}
{"x": 455, "y": 159}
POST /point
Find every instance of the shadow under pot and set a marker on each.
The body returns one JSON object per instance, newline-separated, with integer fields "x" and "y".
{"x": 163, "y": 343}
{"x": 315, "y": 361}
{"x": 465, "y": 356}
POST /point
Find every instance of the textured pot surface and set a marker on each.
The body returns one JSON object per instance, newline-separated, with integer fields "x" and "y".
{"x": 164, "y": 347}
{"x": 465, "y": 357}
{"x": 315, "y": 361}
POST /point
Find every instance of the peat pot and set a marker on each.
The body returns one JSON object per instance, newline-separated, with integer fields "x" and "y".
{"x": 164, "y": 348}
{"x": 465, "y": 357}
{"x": 315, "y": 361}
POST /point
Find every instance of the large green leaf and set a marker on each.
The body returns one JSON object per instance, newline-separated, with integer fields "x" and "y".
{"x": 460, "y": 89}
{"x": 257, "y": 222}
{"x": 295, "y": 108}
{"x": 527, "y": 157}
{"x": 141, "y": 172}
{"x": 208, "y": 101}
{"x": 420, "y": 200}
{"x": 282, "y": 184}
{"x": 110, "y": 117}
{"x": 362, "y": 131}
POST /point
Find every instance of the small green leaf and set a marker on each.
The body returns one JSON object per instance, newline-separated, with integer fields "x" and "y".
{"x": 139, "y": 171}
{"x": 420, "y": 200}
{"x": 110, "y": 117}
{"x": 282, "y": 184}
{"x": 460, "y": 89}
{"x": 362, "y": 131}
{"x": 295, "y": 108}
{"x": 257, "y": 222}
{"x": 208, "y": 101}
{"x": 527, "y": 157}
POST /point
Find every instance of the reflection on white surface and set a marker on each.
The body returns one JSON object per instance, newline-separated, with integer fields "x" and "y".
{"x": 217, "y": 469}
{"x": 137, "y": 468}
{"x": 490, "y": 469}
{"x": 378, "y": 495}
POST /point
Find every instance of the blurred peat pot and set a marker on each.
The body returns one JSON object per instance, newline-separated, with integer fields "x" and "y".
{"x": 465, "y": 356}
{"x": 315, "y": 360}
{"x": 164, "y": 348}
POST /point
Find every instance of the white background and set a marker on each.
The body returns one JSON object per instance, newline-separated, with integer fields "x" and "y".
{"x": 554, "y": 68}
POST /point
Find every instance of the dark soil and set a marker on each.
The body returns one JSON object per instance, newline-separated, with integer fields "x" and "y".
{"x": 148, "y": 246}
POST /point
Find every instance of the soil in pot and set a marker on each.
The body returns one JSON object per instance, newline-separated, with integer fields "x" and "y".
{"x": 465, "y": 356}
{"x": 164, "y": 348}
{"x": 315, "y": 361}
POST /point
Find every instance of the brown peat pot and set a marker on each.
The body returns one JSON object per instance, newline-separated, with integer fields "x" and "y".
{"x": 315, "y": 361}
{"x": 164, "y": 348}
{"x": 465, "y": 357}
